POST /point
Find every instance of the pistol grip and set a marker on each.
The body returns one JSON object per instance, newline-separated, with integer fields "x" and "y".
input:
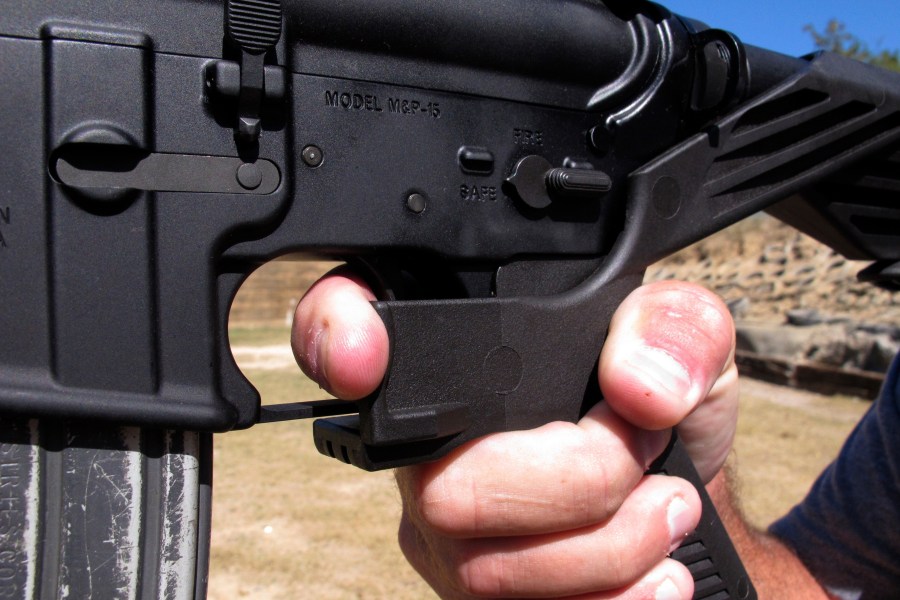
{"x": 707, "y": 552}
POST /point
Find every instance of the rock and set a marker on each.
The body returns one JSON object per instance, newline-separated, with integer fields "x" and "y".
{"x": 771, "y": 340}
{"x": 739, "y": 307}
{"x": 803, "y": 317}
{"x": 892, "y": 331}
{"x": 881, "y": 354}
{"x": 837, "y": 347}
{"x": 834, "y": 342}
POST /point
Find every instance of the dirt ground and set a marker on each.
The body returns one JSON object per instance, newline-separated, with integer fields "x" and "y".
{"x": 289, "y": 523}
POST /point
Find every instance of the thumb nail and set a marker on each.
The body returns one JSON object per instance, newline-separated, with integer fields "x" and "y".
{"x": 662, "y": 368}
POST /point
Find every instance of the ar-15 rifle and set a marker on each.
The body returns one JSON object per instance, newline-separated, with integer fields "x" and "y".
{"x": 505, "y": 171}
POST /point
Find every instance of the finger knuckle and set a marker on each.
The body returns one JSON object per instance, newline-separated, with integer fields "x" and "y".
{"x": 488, "y": 576}
{"x": 445, "y": 515}
{"x": 451, "y": 511}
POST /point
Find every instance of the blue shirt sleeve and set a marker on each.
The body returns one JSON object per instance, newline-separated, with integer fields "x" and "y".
{"x": 847, "y": 530}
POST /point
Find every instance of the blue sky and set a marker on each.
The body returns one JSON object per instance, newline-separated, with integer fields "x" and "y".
{"x": 778, "y": 25}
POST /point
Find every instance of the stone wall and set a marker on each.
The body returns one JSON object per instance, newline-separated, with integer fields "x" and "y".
{"x": 763, "y": 269}
{"x": 270, "y": 294}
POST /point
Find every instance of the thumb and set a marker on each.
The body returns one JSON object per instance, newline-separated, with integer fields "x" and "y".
{"x": 669, "y": 360}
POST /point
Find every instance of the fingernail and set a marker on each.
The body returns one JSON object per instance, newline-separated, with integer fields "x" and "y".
{"x": 667, "y": 591}
{"x": 651, "y": 444}
{"x": 680, "y": 521}
{"x": 662, "y": 368}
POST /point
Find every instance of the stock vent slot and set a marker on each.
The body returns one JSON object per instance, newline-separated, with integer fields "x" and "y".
{"x": 864, "y": 194}
{"x": 799, "y": 133}
{"x": 797, "y": 168}
{"x": 873, "y": 183}
{"x": 779, "y": 108}
{"x": 887, "y": 168}
{"x": 876, "y": 225}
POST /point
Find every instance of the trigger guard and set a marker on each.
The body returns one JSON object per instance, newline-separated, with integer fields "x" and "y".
{"x": 380, "y": 285}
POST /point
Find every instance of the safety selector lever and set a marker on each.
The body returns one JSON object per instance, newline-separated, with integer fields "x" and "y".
{"x": 538, "y": 183}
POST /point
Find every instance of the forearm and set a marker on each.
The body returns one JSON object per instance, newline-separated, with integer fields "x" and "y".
{"x": 774, "y": 569}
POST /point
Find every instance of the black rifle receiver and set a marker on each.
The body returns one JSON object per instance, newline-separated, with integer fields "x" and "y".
{"x": 503, "y": 171}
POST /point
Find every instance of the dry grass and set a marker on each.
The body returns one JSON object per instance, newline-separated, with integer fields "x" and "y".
{"x": 289, "y": 523}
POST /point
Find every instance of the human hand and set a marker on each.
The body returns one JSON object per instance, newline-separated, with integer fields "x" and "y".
{"x": 565, "y": 509}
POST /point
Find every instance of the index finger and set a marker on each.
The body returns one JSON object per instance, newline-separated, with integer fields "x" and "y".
{"x": 338, "y": 339}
